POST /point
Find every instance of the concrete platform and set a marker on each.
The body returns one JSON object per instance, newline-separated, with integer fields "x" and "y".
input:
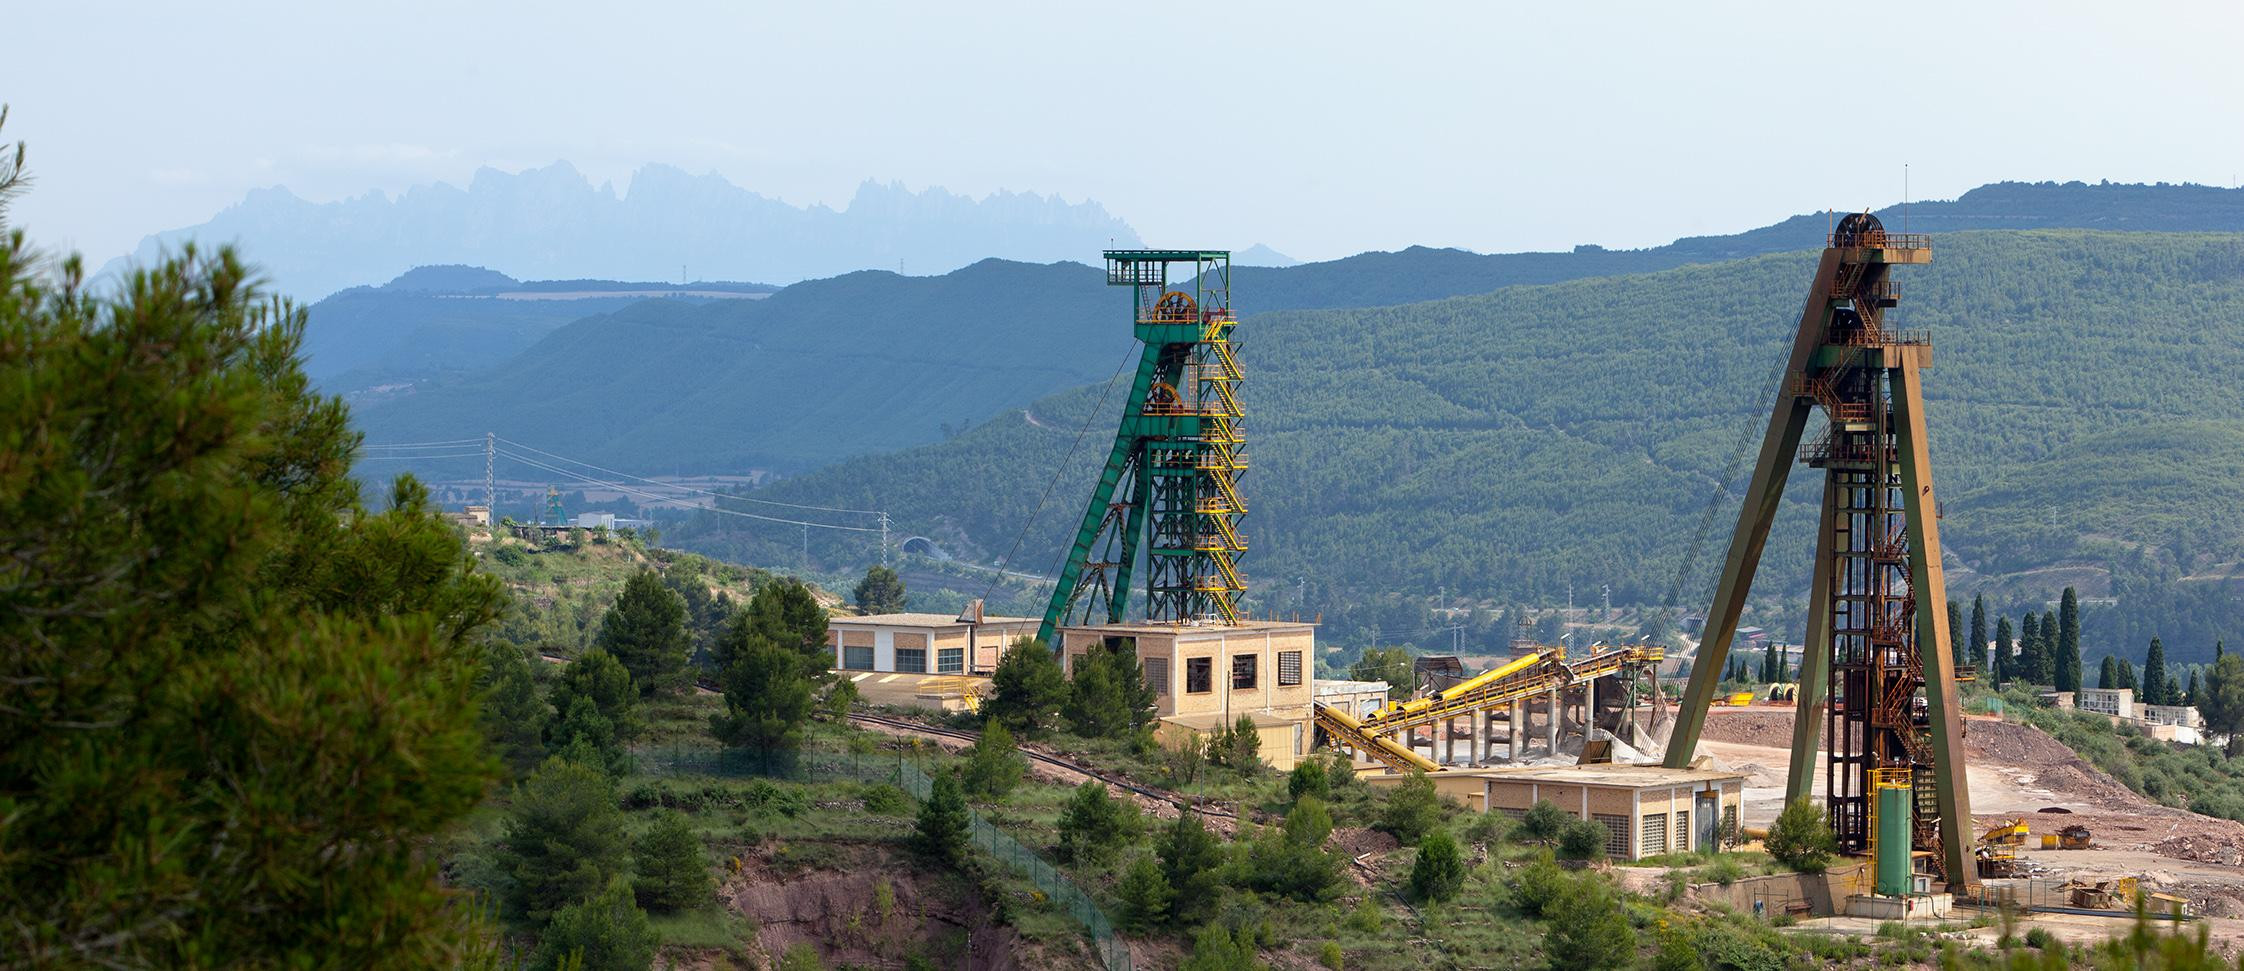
{"x": 1929, "y": 906}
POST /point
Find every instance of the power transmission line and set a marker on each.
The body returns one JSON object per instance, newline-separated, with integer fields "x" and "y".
{"x": 630, "y": 490}
{"x": 687, "y": 488}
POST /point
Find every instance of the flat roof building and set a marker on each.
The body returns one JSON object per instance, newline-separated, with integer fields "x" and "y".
{"x": 1646, "y": 810}
{"x": 1206, "y": 677}
{"x": 923, "y": 643}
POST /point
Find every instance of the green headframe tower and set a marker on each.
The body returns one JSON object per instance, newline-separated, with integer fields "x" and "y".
{"x": 1169, "y": 495}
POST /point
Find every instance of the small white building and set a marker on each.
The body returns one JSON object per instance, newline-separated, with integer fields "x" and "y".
{"x": 596, "y": 520}
{"x": 1358, "y": 698}
{"x": 924, "y": 643}
{"x": 2185, "y": 716}
{"x": 2116, "y": 702}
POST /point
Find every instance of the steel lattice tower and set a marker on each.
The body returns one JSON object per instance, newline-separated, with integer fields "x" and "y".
{"x": 1170, "y": 489}
{"x": 1877, "y": 648}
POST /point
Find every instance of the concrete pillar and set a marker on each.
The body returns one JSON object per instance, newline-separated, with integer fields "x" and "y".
{"x": 1479, "y": 747}
{"x": 1589, "y": 708}
{"x": 1516, "y": 729}
{"x": 1550, "y": 728}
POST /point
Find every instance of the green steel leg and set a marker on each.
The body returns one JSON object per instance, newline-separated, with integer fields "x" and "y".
{"x": 1761, "y": 498}
{"x": 1815, "y": 661}
{"x": 1133, "y": 527}
{"x": 1778, "y": 448}
{"x": 1951, "y": 786}
{"x": 1126, "y": 444}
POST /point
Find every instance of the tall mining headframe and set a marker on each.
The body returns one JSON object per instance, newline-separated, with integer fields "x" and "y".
{"x": 1169, "y": 492}
{"x": 1877, "y": 682}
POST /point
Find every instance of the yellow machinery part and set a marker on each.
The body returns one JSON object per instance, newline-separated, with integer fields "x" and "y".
{"x": 1345, "y": 729}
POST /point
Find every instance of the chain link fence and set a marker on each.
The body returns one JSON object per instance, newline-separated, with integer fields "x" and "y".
{"x": 902, "y": 771}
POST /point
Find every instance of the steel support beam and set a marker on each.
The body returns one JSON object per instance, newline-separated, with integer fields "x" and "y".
{"x": 1778, "y": 447}
{"x": 1928, "y": 580}
{"x": 1815, "y": 662}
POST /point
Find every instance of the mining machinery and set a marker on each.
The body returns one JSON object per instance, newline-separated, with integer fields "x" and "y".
{"x": 1169, "y": 492}
{"x": 1877, "y": 684}
{"x": 1384, "y": 736}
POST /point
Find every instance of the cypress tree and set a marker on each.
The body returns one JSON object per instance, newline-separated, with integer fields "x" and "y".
{"x": 1769, "y": 670}
{"x": 2127, "y": 675}
{"x": 2068, "y": 642}
{"x": 2051, "y": 665}
{"x": 2001, "y": 662}
{"x": 2195, "y": 689}
{"x": 2107, "y": 676}
{"x": 2155, "y": 687}
{"x": 1979, "y": 630}
{"x": 2028, "y": 668}
{"x": 1959, "y": 651}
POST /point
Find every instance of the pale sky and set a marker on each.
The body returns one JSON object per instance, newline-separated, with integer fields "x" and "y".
{"x": 1322, "y": 129}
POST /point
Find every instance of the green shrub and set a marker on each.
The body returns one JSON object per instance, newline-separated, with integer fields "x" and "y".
{"x": 1328, "y": 954}
{"x": 2041, "y": 939}
{"x": 1413, "y": 808}
{"x": 673, "y": 867}
{"x": 1543, "y": 823}
{"x": 1144, "y": 894}
{"x": 1582, "y": 840}
{"x": 1439, "y": 871}
{"x": 1094, "y": 825}
{"x": 1588, "y": 928}
{"x": 1801, "y": 837}
{"x": 605, "y": 932}
{"x": 1537, "y": 884}
{"x": 886, "y": 800}
{"x": 1308, "y": 779}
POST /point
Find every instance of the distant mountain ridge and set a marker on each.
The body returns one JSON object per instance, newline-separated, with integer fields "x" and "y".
{"x": 552, "y": 222}
{"x": 874, "y": 361}
{"x": 1420, "y": 273}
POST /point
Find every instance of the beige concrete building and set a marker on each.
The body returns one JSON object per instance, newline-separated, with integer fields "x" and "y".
{"x": 1646, "y": 810}
{"x": 1358, "y": 698}
{"x": 2117, "y": 702}
{"x": 923, "y": 643}
{"x": 1206, "y": 677}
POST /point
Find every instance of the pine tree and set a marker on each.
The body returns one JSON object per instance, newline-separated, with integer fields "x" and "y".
{"x": 238, "y": 701}
{"x": 646, "y": 630}
{"x": 2155, "y": 687}
{"x": 767, "y": 695}
{"x": 993, "y": 765}
{"x": 2068, "y": 641}
{"x": 599, "y": 678}
{"x": 1439, "y": 871}
{"x": 1027, "y": 689}
{"x": 1094, "y": 824}
{"x": 1979, "y": 631}
{"x": 563, "y": 840}
{"x": 1144, "y": 894}
{"x": 514, "y": 717}
{"x": 1191, "y": 861}
{"x": 880, "y": 592}
{"x": 604, "y": 932}
{"x": 944, "y": 821}
{"x": 672, "y": 865}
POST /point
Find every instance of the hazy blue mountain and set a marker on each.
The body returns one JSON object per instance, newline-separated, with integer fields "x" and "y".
{"x": 439, "y": 320}
{"x": 552, "y": 222}
{"x": 1261, "y": 255}
{"x": 820, "y": 371}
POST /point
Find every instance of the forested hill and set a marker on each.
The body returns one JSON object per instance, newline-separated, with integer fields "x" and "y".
{"x": 817, "y": 372}
{"x": 875, "y": 361}
{"x": 2085, "y": 408}
{"x": 1419, "y": 273}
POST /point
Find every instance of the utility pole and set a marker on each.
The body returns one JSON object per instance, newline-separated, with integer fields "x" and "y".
{"x": 806, "y": 546}
{"x": 489, "y": 448}
{"x": 883, "y": 538}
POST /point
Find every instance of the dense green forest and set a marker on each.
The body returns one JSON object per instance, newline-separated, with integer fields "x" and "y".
{"x": 1501, "y": 447}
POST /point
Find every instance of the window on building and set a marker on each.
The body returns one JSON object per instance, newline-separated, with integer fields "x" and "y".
{"x": 857, "y": 658}
{"x": 1655, "y": 834}
{"x": 950, "y": 660}
{"x": 1682, "y": 842}
{"x": 1511, "y": 812}
{"x": 1616, "y": 834}
{"x": 1729, "y": 831}
{"x": 1157, "y": 675}
{"x": 1198, "y": 675}
{"x": 1242, "y": 671}
{"x": 911, "y": 660}
{"x": 1289, "y": 668}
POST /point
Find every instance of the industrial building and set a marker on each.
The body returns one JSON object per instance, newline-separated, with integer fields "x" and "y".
{"x": 923, "y": 643}
{"x": 1646, "y": 810}
{"x": 1205, "y": 677}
